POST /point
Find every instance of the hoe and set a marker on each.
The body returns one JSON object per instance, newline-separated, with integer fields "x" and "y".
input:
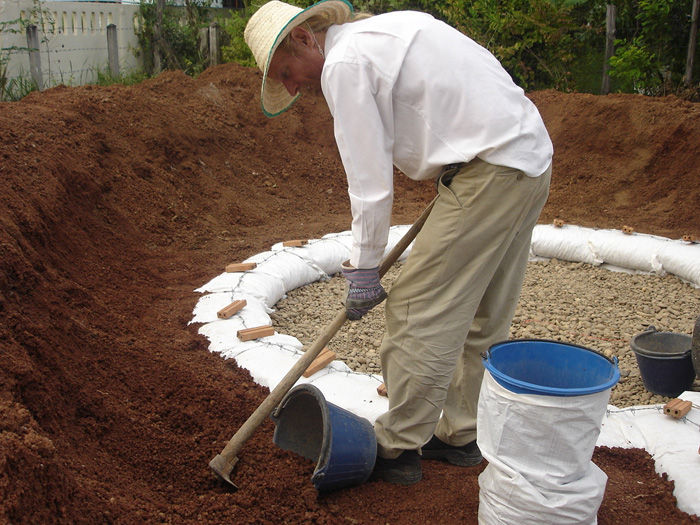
{"x": 223, "y": 463}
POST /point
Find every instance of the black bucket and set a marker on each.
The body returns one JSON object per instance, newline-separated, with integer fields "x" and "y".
{"x": 665, "y": 361}
{"x": 343, "y": 444}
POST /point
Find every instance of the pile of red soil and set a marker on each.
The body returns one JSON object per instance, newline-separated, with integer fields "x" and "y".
{"x": 117, "y": 202}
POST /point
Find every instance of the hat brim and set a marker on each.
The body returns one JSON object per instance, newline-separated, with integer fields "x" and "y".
{"x": 274, "y": 97}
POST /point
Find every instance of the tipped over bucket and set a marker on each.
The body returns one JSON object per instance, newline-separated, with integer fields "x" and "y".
{"x": 343, "y": 444}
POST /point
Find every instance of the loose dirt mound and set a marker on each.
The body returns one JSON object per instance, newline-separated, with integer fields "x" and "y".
{"x": 117, "y": 202}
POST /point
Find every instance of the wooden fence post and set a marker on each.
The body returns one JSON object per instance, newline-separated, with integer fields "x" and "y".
{"x": 113, "y": 50}
{"x": 204, "y": 42}
{"x": 34, "y": 56}
{"x": 609, "y": 47}
{"x": 688, "y": 78}
{"x": 214, "y": 44}
{"x": 158, "y": 37}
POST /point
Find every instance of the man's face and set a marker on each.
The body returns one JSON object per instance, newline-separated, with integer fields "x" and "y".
{"x": 299, "y": 65}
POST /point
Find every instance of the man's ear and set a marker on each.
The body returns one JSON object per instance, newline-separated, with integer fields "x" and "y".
{"x": 300, "y": 36}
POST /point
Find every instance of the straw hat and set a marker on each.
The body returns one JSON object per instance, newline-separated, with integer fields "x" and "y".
{"x": 268, "y": 27}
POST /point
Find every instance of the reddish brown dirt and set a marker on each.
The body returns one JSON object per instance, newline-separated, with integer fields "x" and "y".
{"x": 117, "y": 202}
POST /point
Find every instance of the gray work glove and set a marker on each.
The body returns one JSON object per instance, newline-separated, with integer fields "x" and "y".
{"x": 365, "y": 291}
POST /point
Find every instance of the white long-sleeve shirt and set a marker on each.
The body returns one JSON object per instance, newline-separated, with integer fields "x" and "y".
{"x": 408, "y": 90}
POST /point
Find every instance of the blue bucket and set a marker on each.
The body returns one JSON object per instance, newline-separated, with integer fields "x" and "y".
{"x": 534, "y": 366}
{"x": 343, "y": 445}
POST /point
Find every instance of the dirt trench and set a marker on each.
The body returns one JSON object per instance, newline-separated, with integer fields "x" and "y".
{"x": 117, "y": 202}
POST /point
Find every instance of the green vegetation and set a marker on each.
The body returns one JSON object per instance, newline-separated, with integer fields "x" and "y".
{"x": 16, "y": 88}
{"x": 535, "y": 40}
{"x": 106, "y": 78}
{"x": 560, "y": 43}
{"x": 235, "y": 48}
{"x": 542, "y": 43}
{"x": 178, "y": 47}
{"x": 651, "y": 50}
{"x": 554, "y": 43}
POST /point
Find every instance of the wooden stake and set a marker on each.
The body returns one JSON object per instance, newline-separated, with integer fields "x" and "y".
{"x": 234, "y": 307}
{"x": 688, "y": 77}
{"x": 240, "y": 267}
{"x": 295, "y": 242}
{"x": 322, "y": 361}
{"x": 609, "y": 47}
{"x": 246, "y": 334}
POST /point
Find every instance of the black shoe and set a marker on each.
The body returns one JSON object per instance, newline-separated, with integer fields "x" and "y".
{"x": 464, "y": 456}
{"x": 403, "y": 470}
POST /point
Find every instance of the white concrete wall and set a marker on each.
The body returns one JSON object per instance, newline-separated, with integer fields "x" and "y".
{"x": 76, "y": 47}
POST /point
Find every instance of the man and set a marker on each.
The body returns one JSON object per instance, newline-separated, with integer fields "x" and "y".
{"x": 408, "y": 90}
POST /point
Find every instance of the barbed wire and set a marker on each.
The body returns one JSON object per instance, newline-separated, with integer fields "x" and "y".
{"x": 655, "y": 408}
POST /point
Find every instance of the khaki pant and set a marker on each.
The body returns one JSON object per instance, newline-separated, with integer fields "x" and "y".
{"x": 455, "y": 297}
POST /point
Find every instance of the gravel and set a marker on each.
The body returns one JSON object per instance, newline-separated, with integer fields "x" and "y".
{"x": 564, "y": 301}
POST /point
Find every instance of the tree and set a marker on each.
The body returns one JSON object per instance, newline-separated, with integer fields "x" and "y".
{"x": 651, "y": 52}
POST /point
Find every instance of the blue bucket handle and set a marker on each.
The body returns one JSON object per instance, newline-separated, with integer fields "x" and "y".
{"x": 486, "y": 355}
